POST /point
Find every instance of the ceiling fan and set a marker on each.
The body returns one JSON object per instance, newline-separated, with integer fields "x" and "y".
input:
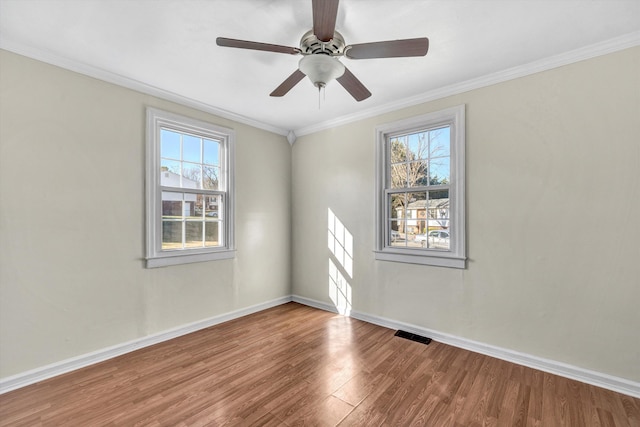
{"x": 321, "y": 48}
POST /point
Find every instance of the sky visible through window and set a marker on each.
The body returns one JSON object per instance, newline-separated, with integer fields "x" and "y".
{"x": 192, "y": 150}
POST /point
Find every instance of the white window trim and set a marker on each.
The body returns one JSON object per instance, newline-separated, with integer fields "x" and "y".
{"x": 456, "y": 257}
{"x": 155, "y": 257}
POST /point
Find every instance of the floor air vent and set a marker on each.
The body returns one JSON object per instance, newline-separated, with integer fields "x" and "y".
{"x": 413, "y": 337}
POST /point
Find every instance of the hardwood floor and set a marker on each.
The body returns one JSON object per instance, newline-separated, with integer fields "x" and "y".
{"x": 295, "y": 365}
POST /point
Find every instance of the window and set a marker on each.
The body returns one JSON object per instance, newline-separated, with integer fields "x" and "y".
{"x": 189, "y": 190}
{"x": 420, "y": 190}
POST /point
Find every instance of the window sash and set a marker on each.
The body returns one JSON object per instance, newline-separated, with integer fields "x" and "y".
{"x": 389, "y": 189}
{"x": 427, "y": 219}
{"x": 187, "y": 220}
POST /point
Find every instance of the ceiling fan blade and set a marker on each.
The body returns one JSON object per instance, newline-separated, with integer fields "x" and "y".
{"x": 244, "y": 44}
{"x": 325, "y": 13}
{"x": 389, "y": 49}
{"x": 353, "y": 86}
{"x": 288, "y": 84}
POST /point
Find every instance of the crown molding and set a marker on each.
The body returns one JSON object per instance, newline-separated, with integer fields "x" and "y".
{"x": 577, "y": 55}
{"x": 110, "y": 77}
{"x": 587, "y": 52}
{"x": 291, "y": 137}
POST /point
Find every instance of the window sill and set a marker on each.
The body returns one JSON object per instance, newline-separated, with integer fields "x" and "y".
{"x": 188, "y": 258}
{"x": 434, "y": 259}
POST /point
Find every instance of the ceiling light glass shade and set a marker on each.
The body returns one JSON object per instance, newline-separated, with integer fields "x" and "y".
{"x": 321, "y": 69}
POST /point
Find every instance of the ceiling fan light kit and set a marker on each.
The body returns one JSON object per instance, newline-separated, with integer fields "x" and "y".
{"x": 321, "y": 69}
{"x": 321, "y": 48}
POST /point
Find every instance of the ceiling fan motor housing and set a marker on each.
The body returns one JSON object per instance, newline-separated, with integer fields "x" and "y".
{"x": 311, "y": 45}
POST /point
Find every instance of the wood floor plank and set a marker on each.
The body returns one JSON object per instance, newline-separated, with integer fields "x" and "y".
{"x": 358, "y": 388}
{"x": 295, "y": 365}
{"x": 325, "y": 412}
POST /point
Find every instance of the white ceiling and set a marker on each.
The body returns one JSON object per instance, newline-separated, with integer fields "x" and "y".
{"x": 169, "y": 46}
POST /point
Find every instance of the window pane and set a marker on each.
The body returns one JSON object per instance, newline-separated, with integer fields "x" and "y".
{"x": 438, "y": 238}
{"x": 191, "y": 209}
{"x": 397, "y": 236}
{"x": 212, "y": 233}
{"x": 170, "y": 173}
{"x": 171, "y": 235}
{"x": 171, "y": 205}
{"x": 415, "y": 206}
{"x": 418, "y": 174}
{"x": 211, "y": 152}
{"x": 440, "y": 172}
{"x": 169, "y": 144}
{"x": 191, "y": 149}
{"x": 211, "y": 180}
{"x": 396, "y": 206}
{"x": 418, "y": 146}
{"x": 191, "y": 175}
{"x": 213, "y": 207}
{"x": 399, "y": 175}
{"x": 440, "y": 142}
{"x": 398, "y": 150}
{"x": 198, "y": 211}
{"x": 193, "y": 234}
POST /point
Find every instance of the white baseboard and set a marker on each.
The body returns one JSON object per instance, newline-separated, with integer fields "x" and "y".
{"x": 620, "y": 385}
{"x": 609, "y": 382}
{"x": 315, "y": 304}
{"x": 39, "y": 374}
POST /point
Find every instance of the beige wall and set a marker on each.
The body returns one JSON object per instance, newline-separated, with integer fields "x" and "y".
{"x": 553, "y": 203}
{"x": 553, "y": 206}
{"x": 72, "y": 279}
